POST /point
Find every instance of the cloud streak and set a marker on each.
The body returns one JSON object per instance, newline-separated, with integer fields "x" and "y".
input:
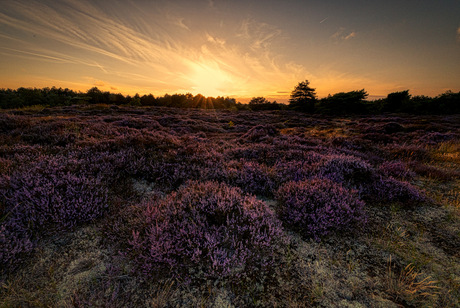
{"x": 142, "y": 53}
{"x": 342, "y": 34}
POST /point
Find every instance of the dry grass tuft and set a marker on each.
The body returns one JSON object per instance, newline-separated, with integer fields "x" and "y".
{"x": 162, "y": 294}
{"x": 448, "y": 151}
{"x": 408, "y": 285}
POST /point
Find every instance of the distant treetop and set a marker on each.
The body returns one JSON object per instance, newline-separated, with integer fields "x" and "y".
{"x": 303, "y": 97}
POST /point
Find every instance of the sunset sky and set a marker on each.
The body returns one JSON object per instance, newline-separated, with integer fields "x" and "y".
{"x": 237, "y": 48}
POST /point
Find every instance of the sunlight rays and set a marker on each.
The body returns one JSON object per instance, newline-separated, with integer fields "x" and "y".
{"x": 163, "y": 59}
{"x": 209, "y": 80}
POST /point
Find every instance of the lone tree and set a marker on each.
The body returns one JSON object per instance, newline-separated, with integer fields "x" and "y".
{"x": 303, "y": 97}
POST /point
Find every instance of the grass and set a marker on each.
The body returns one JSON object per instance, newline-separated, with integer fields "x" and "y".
{"x": 162, "y": 294}
{"x": 409, "y": 285}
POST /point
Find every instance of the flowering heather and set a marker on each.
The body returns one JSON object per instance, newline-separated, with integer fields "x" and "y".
{"x": 393, "y": 190}
{"x": 349, "y": 170}
{"x": 47, "y": 195}
{"x": 396, "y": 169}
{"x": 14, "y": 244}
{"x": 407, "y": 151}
{"x": 434, "y": 172}
{"x": 392, "y": 128}
{"x": 319, "y": 206}
{"x": 252, "y": 177}
{"x": 260, "y": 152}
{"x": 435, "y": 138}
{"x": 54, "y": 133}
{"x": 296, "y": 171}
{"x": 260, "y": 133}
{"x": 138, "y": 123}
{"x": 210, "y": 227}
{"x": 379, "y": 138}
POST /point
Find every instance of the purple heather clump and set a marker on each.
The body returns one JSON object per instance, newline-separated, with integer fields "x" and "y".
{"x": 5, "y": 165}
{"x": 378, "y": 138}
{"x": 169, "y": 175}
{"x": 346, "y": 143}
{"x": 49, "y": 195}
{"x": 435, "y": 138}
{"x": 318, "y": 207}
{"x": 286, "y": 142}
{"x": 9, "y": 123}
{"x": 138, "y": 123}
{"x": 15, "y": 243}
{"x": 260, "y": 152}
{"x": 348, "y": 170}
{"x": 392, "y": 128}
{"x": 260, "y": 133}
{"x": 252, "y": 177}
{"x": 393, "y": 190}
{"x": 295, "y": 170}
{"x": 407, "y": 151}
{"x": 433, "y": 172}
{"x": 55, "y": 133}
{"x": 209, "y": 227}
{"x": 355, "y": 173}
{"x": 396, "y": 169}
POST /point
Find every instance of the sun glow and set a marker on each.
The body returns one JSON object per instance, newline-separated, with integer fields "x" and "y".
{"x": 210, "y": 80}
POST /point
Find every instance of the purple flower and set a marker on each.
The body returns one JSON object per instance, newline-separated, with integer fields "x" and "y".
{"x": 319, "y": 206}
{"x": 210, "y": 226}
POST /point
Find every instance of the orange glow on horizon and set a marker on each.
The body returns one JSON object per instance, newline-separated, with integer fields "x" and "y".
{"x": 209, "y": 80}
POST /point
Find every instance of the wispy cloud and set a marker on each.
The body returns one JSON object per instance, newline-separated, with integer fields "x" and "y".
{"x": 342, "y": 34}
{"x": 178, "y": 21}
{"x": 99, "y": 83}
{"x": 215, "y": 40}
{"x": 258, "y": 34}
{"x": 458, "y": 34}
{"x": 150, "y": 52}
{"x": 349, "y": 36}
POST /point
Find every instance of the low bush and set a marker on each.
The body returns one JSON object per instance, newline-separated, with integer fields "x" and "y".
{"x": 348, "y": 170}
{"x": 435, "y": 138}
{"x": 295, "y": 170}
{"x": 409, "y": 152}
{"x": 396, "y": 169}
{"x": 317, "y": 207}
{"x": 260, "y": 133}
{"x": 15, "y": 243}
{"x": 393, "y": 190}
{"x": 209, "y": 229}
{"x": 47, "y": 195}
{"x": 433, "y": 172}
{"x": 252, "y": 177}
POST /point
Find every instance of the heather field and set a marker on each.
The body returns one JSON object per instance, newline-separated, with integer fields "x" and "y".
{"x": 116, "y": 206}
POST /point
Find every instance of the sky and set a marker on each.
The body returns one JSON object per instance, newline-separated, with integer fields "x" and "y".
{"x": 236, "y": 48}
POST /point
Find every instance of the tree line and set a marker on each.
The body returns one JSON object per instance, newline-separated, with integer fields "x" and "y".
{"x": 303, "y": 99}
{"x": 52, "y": 97}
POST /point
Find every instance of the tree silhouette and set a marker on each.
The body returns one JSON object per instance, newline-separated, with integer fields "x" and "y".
{"x": 303, "y": 97}
{"x": 396, "y": 101}
{"x": 258, "y": 100}
{"x": 344, "y": 103}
